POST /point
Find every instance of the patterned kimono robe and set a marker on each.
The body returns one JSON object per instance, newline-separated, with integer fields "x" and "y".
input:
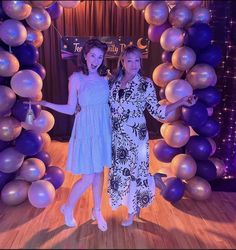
{"x": 130, "y": 182}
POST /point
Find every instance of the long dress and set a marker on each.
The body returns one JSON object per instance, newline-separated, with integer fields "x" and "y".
{"x": 130, "y": 182}
{"x": 90, "y": 142}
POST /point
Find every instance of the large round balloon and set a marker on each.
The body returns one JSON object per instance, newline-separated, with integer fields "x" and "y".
{"x": 176, "y": 134}
{"x": 44, "y": 122}
{"x": 9, "y": 64}
{"x": 18, "y": 10}
{"x": 173, "y": 115}
{"x": 198, "y": 188}
{"x": 177, "y": 89}
{"x": 183, "y": 58}
{"x": 7, "y": 99}
{"x": 41, "y": 193}
{"x": 29, "y": 143}
{"x": 171, "y": 39}
{"x": 26, "y": 83}
{"x": 19, "y": 110}
{"x": 210, "y": 96}
{"x": 156, "y": 13}
{"x": 220, "y": 166}
{"x": 206, "y": 169}
{"x": 10, "y": 160}
{"x": 210, "y": 128}
{"x": 38, "y": 68}
{"x": 74, "y": 4}
{"x": 174, "y": 189}
{"x": 10, "y": 128}
{"x": 198, "y": 147}
{"x": 55, "y": 175}
{"x": 183, "y": 166}
{"x": 13, "y": 32}
{"x": 164, "y": 152}
{"x": 195, "y": 115}
{"x": 27, "y": 54}
{"x": 32, "y": 169}
{"x": 15, "y": 192}
{"x": 34, "y": 37}
{"x": 44, "y": 157}
{"x": 199, "y": 36}
{"x": 55, "y": 10}
{"x": 201, "y": 15}
{"x": 39, "y": 19}
{"x": 155, "y": 31}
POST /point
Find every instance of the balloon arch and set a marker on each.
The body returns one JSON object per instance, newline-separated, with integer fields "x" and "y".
{"x": 186, "y": 151}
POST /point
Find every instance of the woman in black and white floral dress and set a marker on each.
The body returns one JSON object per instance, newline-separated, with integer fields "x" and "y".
{"x": 130, "y": 182}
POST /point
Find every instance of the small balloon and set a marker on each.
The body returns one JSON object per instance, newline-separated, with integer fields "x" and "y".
{"x": 35, "y": 37}
{"x": 174, "y": 189}
{"x": 206, "y": 169}
{"x": 220, "y": 166}
{"x": 18, "y": 10}
{"x": 44, "y": 157}
{"x": 55, "y": 175}
{"x": 9, "y": 64}
{"x": 7, "y": 99}
{"x": 155, "y": 31}
{"x": 10, "y": 128}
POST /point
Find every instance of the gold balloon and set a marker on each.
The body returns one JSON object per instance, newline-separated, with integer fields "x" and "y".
{"x": 44, "y": 122}
{"x": 183, "y": 58}
{"x": 177, "y": 134}
{"x": 156, "y": 13}
{"x": 201, "y": 76}
{"x": 7, "y": 99}
{"x": 123, "y": 4}
{"x": 198, "y": 188}
{"x": 171, "y": 39}
{"x": 163, "y": 128}
{"x": 18, "y": 10}
{"x": 15, "y": 192}
{"x": 165, "y": 73}
{"x": 180, "y": 16}
{"x": 46, "y": 141}
{"x": 172, "y": 116}
{"x": 10, "y": 128}
{"x": 177, "y": 89}
{"x": 140, "y": 5}
{"x": 201, "y": 14}
{"x": 220, "y": 166}
{"x": 9, "y": 64}
{"x": 34, "y": 36}
{"x": 43, "y": 4}
{"x": 213, "y": 145}
{"x": 183, "y": 166}
{"x": 192, "y": 132}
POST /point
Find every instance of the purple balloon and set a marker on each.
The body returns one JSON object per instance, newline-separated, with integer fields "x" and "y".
{"x": 174, "y": 189}
{"x": 44, "y": 157}
{"x": 27, "y": 54}
{"x": 55, "y": 11}
{"x": 5, "y": 178}
{"x": 198, "y": 147}
{"x": 209, "y": 96}
{"x": 3, "y": 15}
{"x": 29, "y": 143}
{"x": 206, "y": 169}
{"x": 55, "y": 175}
{"x": 166, "y": 56}
{"x": 38, "y": 68}
{"x": 20, "y": 109}
{"x": 195, "y": 115}
{"x": 210, "y": 128}
{"x": 4, "y": 145}
{"x": 164, "y": 152}
{"x": 162, "y": 93}
{"x": 155, "y": 31}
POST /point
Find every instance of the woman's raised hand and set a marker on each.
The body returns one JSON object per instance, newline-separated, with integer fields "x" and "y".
{"x": 42, "y": 103}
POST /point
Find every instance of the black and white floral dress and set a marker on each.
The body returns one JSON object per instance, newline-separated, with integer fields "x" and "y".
{"x": 130, "y": 182}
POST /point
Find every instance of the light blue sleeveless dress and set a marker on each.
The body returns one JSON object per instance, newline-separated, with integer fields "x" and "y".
{"x": 90, "y": 142}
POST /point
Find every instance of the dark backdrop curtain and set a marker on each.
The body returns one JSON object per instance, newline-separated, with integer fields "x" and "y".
{"x": 90, "y": 18}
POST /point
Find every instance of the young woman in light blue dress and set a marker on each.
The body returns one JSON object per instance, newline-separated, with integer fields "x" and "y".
{"x": 90, "y": 143}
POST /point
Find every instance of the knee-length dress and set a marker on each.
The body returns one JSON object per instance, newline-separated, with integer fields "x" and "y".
{"x": 130, "y": 182}
{"x": 90, "y": 142}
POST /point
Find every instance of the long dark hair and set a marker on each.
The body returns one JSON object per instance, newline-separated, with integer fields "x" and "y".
{"x": 89, "y": 44}
{"x": 120, "y": 69}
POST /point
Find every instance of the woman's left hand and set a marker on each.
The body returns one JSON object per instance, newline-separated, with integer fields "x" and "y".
{"x": 189, "y": 100}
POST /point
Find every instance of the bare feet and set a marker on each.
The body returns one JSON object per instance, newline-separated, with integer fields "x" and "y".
{"x": 68, "y": 216}
{"x": 97, "y": 215}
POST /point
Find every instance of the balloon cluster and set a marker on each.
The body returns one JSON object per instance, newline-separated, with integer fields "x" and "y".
{"x": 25, "y": 164}
{"x": 188, "y": 67}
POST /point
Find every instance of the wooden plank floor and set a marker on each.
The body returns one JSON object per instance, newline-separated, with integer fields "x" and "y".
{"x": 188, "y": 224}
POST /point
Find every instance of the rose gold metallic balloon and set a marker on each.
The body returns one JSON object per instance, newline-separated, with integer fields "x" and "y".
{"x": 46, "y": 141}
{"x": 172, "y": 116}
{"x": 180, "y": 16}
{"x": 220, "y": 166}
{"x": 163, "y": 128}
{"x": 213, "y": 145}
{"x": 183, "y": 166}
{"x": 15, "y": 192}
{"x": 9, "y": 64}
{"x": 18, "y": 10}
{"x": 43, "y": 4}
{"x": 39, "y": 19}
{"x": 38, "y": 97}
{"x": 140, "y": 5}
{"x": 165, "y": 73}
{"x": 34, "y": 36}
{"x": 183, "y": 58}
{"x": 44, "y": 122}
{"x": 177, "y": 134}
{"x": 69, "y": 4}
{"x": 201, "y": 76}
{"x": 10, "y": 128}
{"x": 156, "y": 13}
{"x": 7, "y": 99}
{"x": 198, "y": 188}
{"x": 10, "y": 160}
{"x": 172, "y": 38}
{"x": 192, "y": 132}
{"x": 32, "y": 169}
{"x": 192, "y": 4}
{"x": 201, "y": 14}
{"x": 177, "y": 89}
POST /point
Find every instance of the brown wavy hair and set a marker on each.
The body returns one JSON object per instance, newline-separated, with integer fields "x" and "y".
{"x": 89, "y": 44}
